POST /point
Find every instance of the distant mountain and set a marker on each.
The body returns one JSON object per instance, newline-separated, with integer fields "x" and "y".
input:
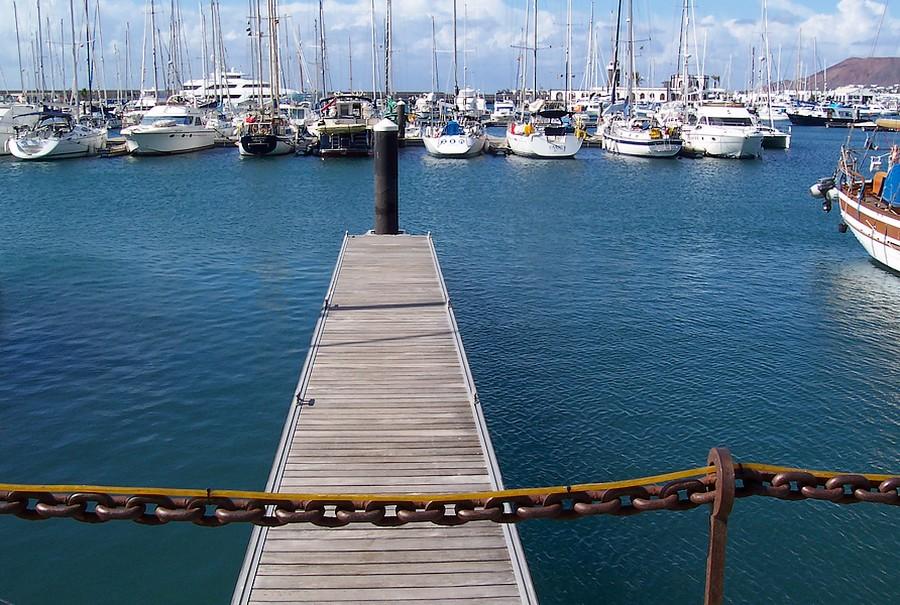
{"x": 874, "y": 71}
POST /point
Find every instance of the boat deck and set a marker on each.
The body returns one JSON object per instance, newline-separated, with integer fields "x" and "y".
{"x": 388, "y": 406}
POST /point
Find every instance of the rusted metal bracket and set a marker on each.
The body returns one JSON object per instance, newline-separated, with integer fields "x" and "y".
{"x": 720, "y": 458}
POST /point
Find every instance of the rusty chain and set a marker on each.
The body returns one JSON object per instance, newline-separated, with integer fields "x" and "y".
{"x": 511, "y": 506}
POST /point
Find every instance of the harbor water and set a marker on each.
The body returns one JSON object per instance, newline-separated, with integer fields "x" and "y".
{"x": 621, "y": 316}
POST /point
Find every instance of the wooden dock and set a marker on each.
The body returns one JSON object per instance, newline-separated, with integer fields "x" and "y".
{"x": 389, "y": 406}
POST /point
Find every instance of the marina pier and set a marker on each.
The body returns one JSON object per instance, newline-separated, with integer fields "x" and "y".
{"x": 385, "y": 404}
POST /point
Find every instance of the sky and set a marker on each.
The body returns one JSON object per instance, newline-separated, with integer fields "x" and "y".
{"x": 823, "y": 31}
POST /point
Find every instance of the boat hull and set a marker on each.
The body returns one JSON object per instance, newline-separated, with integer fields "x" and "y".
{"x": 779, "y": 140}
{"x": 878, "y": 231}
{"x": 720, "y": 145}
{"x": 57, "y": 148}
{"x": 647, "y": 148}
{"x": 816, "y": 120}
{"x": 454, "y": 146}
{"x": 165, "y": 141}
{"x": 545, "y": 147}
{"x": 264, "y": 145}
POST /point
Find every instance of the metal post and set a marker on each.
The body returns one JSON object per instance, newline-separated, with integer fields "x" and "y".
{"x": 719, "y": 457}
{"x": 387, "y": 221}
{"x": 401, "y": 122}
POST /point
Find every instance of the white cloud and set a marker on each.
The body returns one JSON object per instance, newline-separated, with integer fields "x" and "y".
{"x": 842, "y": 28}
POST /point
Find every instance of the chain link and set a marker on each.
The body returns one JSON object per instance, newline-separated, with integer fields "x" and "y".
{"x": 497, "y": 507}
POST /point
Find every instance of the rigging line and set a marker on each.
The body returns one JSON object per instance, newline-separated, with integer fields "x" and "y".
{"x": 878, "y": 31}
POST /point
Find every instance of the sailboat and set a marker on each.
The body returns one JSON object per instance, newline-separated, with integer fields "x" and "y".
{"x": 549, "y": 133}
{"x": 266, "y": 132}
{"x": 773, "y": 138}
{"x": 13, "y": 118}
{"x": 57, "y": 134}
{"x": 462, "y": 135}
{"x": 623, "y": 131}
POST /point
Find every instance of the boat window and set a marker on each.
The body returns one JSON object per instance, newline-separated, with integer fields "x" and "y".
{"x": 730, "y": 121}
{"x": 173, "y": 120}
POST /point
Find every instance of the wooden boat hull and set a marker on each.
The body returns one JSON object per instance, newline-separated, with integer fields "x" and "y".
{"x": 876, "y": 229}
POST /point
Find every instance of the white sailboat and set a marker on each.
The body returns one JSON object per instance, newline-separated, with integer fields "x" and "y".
{"x": 622, "y": 131}
{"x": 454, "y": 140}
{"x": 57, "y": 135}
{"x": 549, "y": 133}
{"x": 461, "y": 136}
{"x": 773, "y": 138}
{"x": 13, "y": 118}
{"x": 169, "y": 129}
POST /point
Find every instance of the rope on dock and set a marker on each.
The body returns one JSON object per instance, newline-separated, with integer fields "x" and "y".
{"x": 679, "y": 490}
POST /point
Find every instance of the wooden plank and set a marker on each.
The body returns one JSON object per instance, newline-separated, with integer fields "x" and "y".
{"x": 390, "y": 408}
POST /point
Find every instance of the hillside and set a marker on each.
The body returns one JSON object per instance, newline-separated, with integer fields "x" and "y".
{"x": 874, "y": 71}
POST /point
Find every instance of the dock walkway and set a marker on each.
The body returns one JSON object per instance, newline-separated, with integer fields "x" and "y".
{"x": 393, "y": 410}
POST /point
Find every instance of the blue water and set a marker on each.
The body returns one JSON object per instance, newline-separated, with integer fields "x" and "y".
{"x": 621, "y": 317}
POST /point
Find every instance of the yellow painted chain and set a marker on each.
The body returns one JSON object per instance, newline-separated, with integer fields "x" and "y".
{"x": 436, "y": 497}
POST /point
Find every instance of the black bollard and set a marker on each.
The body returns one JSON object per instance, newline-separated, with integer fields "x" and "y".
{"x": 401, "y": 122}
{"x": 387, "y": 219}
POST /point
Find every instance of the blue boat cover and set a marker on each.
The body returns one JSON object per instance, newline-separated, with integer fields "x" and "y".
{"x": 890, "y": 191}
{"x": 453, "y": 128}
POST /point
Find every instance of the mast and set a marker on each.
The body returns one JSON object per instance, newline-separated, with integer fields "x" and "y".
{"x": 205, "y": 48}
{"x": 615, "y": 61}
{"x": 434, "y": 74}
{"x": 455, "y": 57}
{"x": 259, "y": 61}
{"x": 322, "y": 47}
{"x": 768, "y": 60}
{"x": 589, "y": 68}
{"x": 274, "y": 74}
{"x": 74, "y": 61}
{"x": 128, "y": 59}
{"x": 535, "y": 47}
{"x": 374, "y": 54}
{"x": 630, "y": 46}
{"x": 815, "y": 64}
{"x": 90, "y": 67}
{"x": 350, "y": 60}
{"x": 153, "y": 50}
{"x": 568, "y": 50}
{"x": 22, "y": 90}
{"x": 388, "y": 50}
{"x": 102, "y": 78}
{"x": 40, "y": 52}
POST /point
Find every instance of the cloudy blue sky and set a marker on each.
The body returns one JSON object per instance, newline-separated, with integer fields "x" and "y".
{"x": 726, "y": 28}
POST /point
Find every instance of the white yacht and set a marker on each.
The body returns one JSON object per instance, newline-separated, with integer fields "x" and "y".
{"x": 725, "y": 131}
{"x": 233, "y": 85}
{"x": 169, "y": 129}
{"x": 471, "y": 102}
{"x": 504, "y": 111}
{"x": 57, "y": 135}
{"x": 13, "y": 118}
{"x": 454, "y": 140}
{"x": 134, "y": 110}
{"x": 545, "y": 135}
